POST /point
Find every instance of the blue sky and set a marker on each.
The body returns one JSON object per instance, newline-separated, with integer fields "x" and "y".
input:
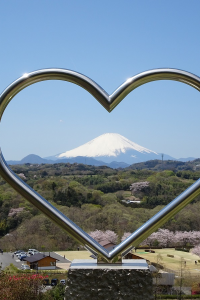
{"x": 108, "y": 41}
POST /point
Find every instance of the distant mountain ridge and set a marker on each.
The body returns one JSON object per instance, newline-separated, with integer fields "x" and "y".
{"x": 174, "y": 165}
{"x": 35, "y": 159}
{"x": 151, "y": 164}
{"x": 109, "y": 149}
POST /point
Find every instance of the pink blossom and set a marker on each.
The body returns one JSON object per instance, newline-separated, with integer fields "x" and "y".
{"x": 99, "y": 236}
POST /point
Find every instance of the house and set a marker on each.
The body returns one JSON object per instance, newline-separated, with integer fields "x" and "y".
{"x": 107, "y": 244}
{"x": 41, "y": 261}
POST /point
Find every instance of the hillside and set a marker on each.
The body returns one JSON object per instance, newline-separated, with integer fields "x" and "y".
{"x": 159, "y": 165}
{"x": 92, "y": 197}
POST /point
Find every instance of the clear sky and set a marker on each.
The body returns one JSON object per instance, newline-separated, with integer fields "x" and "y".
{"x": 108, "y": 41}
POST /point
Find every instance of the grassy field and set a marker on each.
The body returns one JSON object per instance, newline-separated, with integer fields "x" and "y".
{"x": 173, "y": 263}
{"x": 167, "y": 262}
{"x": 71, "y": 255}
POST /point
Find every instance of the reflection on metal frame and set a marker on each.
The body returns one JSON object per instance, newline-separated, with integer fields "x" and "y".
{"x": 109, "y": 103}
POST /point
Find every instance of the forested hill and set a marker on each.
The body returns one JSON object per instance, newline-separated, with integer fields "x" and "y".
{"x": 159, "y": 165}
{"x": 93, "y": 197}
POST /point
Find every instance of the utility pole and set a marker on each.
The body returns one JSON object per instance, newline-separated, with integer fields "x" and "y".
{"x": 162, "y": 160}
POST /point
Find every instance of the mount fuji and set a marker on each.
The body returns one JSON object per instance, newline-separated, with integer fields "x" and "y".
{"x": 111, "y": 147}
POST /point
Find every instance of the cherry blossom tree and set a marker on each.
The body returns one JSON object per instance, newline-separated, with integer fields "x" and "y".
{"x": 139, "y": 186}
{"x": 196, "y": 250}
{"x": 167, "y": 238}
{"x": 125, "y": 236}
{"x": 164, "y": 237}
{"x": 99, "y": 236}
{"x": 150, "y": 240}
{"x": 182, "y": 238}
{"x": 111, "y": 236}
{"x": 196, "y": 237}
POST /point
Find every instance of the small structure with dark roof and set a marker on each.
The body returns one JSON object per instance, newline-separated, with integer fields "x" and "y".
{"x": 107, "y": 244}
{"x": 41, "y": 261}
{"x": 131, "y": 255}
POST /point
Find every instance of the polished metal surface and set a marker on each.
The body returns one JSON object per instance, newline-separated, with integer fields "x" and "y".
{"x": 109, "y": 103}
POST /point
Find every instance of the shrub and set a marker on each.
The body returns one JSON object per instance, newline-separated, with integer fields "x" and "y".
{"x": 182, "y": 249}
{"x": 21, "y": 287}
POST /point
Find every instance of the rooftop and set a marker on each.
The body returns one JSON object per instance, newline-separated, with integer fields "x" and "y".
{"x": 37, "y": 257}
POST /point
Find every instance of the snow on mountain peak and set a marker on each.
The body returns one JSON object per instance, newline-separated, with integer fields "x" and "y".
{"x": 108, "y": 144}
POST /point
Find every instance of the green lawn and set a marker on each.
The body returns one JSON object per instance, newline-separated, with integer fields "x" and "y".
{"x": 173, "y": 263}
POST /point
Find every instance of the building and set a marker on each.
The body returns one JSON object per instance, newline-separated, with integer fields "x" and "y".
{"x": 41, "y": 261}
{"x": 164, "y": 280}
{"x": 107, "y": 244}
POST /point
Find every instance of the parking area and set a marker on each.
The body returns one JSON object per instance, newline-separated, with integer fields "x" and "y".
{"x": 7, "y": 258}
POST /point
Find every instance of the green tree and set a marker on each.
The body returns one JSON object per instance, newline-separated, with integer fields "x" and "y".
{"x": 56, "y": 293}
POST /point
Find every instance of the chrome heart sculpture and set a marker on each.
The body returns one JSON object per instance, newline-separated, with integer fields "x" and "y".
{"x": 109, "y": 103}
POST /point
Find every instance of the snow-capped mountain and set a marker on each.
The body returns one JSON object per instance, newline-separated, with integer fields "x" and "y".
{"x": 110, "y": 147}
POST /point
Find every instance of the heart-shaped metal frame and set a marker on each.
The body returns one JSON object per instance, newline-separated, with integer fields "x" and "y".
{"x": 109, "y": 103}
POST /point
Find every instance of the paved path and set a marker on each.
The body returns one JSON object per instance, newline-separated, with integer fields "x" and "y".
{"x": 6, "y": 259}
